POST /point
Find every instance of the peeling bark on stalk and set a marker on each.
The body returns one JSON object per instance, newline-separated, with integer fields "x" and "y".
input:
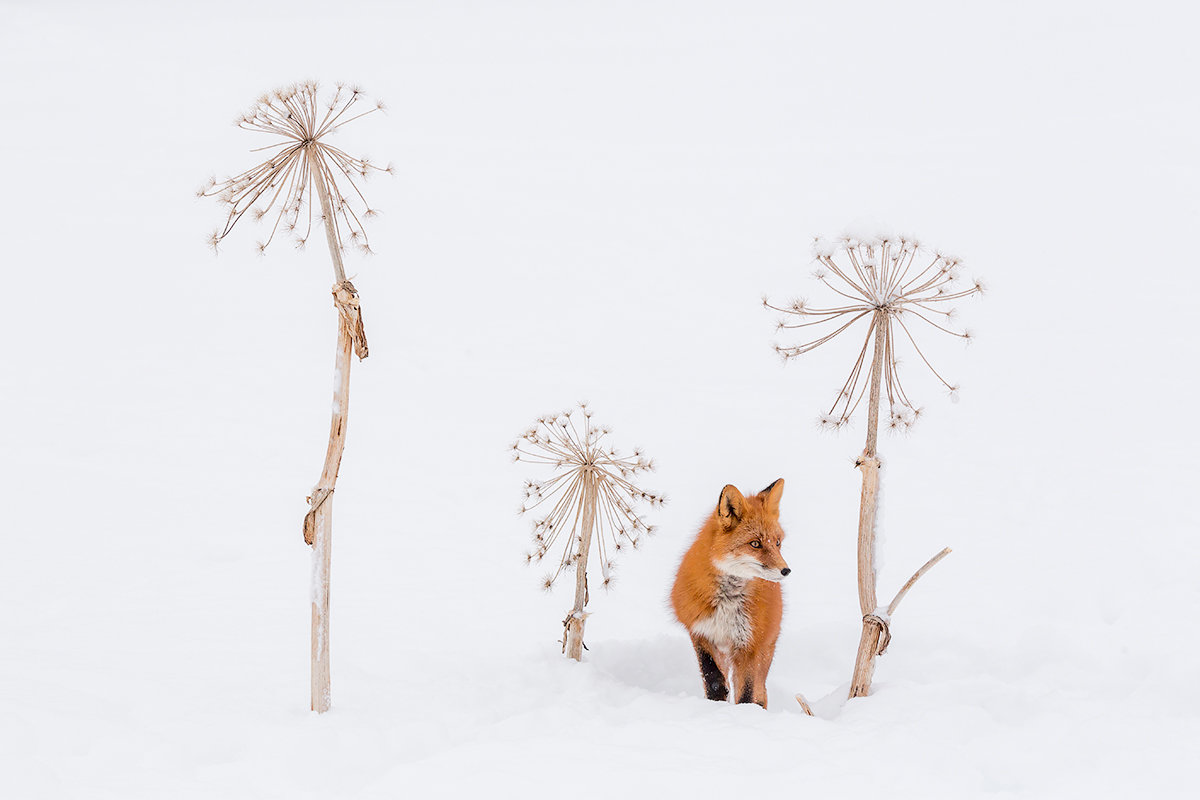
{"x": 573, "y": 636}
{"x": 318, "y": 525}
{"x": 318, "y": 522}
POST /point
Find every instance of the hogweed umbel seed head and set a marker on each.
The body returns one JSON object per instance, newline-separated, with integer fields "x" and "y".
{"x": 301, "y": 163}
{"x": 897, "y": 288}
{"x": 576, "y": 450}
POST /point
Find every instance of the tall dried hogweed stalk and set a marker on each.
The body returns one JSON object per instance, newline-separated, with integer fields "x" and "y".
{"x": 591, "y": 496}
{"x": 901, "y": 288}
{"x": 303, "y": 162}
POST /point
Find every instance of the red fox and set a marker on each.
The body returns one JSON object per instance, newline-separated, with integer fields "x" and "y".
{"x": 727, "y": 593}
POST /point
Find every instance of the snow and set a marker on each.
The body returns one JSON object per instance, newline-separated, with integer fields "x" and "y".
{"x": 589, "y": 202}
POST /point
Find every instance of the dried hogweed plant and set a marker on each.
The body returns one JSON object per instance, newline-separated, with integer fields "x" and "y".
{"x": 591, "y": 497}
{"x": 898, "y": 289}
{"x": 302, "y": 163}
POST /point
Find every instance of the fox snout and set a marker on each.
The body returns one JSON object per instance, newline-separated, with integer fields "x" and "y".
{"x": 747, "y": 566}
{"x": 776, "y": 574}
{"x": 773, "y": 563}
{"x": 770, "y": 563}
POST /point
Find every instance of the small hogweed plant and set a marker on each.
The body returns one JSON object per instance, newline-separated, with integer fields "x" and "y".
{"x": 591, "y": 497}
{"x": 302, "y": 162}
{"x": 900, "y": 288}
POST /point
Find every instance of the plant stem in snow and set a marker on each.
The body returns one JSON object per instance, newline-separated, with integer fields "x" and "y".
{"x": 573, "y": 642}
{"x": 319, "y": 519}
{"x": 864, "y": 665}
{"x": 876, "y": 631}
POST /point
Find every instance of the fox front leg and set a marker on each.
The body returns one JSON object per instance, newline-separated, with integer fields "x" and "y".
{"x": 751, "y": 672}
{"x": 753, "y": 691}
{"x": 715, "y": 687}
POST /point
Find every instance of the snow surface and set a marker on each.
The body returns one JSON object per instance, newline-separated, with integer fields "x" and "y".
{"x": 591, "y": 199}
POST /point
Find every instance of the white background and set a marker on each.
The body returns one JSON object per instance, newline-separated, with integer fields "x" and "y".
{"x": 590, "y": 200}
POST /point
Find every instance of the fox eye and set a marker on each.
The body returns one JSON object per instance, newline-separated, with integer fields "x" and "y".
{"x": 756, "y": 544}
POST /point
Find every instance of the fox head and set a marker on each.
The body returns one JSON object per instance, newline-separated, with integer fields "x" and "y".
{"x": 748, "y": 536}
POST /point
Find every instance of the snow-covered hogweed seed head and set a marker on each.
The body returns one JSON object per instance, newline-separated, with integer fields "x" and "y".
{"x": 301, "y": 163}
{"x": 589, "y": 482}
{"x": 897, "y": 288}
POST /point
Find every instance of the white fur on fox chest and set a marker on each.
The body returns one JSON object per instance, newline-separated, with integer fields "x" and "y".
{"x": 728, "y": 627}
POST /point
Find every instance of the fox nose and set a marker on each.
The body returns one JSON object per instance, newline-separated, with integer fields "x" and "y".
{"x": 785, "y": 571}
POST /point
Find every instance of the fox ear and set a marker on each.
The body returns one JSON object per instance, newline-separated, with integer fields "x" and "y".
{"x": 771, "y": 496}
{"x": 731, "y": 506}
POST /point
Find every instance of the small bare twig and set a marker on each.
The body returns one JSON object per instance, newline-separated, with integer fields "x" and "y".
{"x": 891, "y": 609}
{"x": 881, "y": 619}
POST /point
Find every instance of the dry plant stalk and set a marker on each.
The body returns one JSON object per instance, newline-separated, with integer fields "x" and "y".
{"x": 897, "y": 286}
{"x": 302, "y": 163}
{"x": 590, "y": 497}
